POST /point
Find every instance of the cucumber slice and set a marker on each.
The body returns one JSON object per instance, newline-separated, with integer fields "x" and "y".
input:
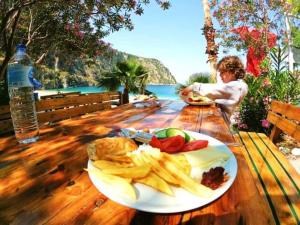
{"x": 174, "y": 132}
{"x": 161, "y": 133}
{"x": 188, "y": 137}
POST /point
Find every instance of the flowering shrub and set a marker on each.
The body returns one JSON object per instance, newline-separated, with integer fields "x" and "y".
{"x": 275, "y": 84}
{"x": 254, "y": 108}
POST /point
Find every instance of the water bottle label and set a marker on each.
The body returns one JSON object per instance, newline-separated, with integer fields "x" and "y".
{"x": 18, "y": 75}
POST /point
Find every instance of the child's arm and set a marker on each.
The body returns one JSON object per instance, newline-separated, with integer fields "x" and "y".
{"x": 214, "y": 91}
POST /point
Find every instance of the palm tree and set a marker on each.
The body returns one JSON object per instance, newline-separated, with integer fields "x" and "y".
{"x": 128, "y": 73}
{"x": 211, "y": 48}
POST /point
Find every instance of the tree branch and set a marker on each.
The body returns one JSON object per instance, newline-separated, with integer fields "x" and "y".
{"x": 29, "y": 28}
{"x": 7, "y": 17}
{"x": 12, "y": 10}
{"x": 43, "y": 37}
{"x": 9, "y": 47}
{"x": 40, "y": 59}
{"x": 14, "y": 28}
{"x": 5, "y": 33}
{"x": 35, "y": 32}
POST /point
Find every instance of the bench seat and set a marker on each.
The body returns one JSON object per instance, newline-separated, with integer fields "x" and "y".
{"x": 275, "y": 177}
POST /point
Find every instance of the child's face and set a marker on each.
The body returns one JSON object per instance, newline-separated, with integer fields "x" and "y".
{"x": 227, "y": 76}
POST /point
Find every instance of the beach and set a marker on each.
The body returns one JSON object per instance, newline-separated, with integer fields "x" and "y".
{"x": 161, "y": 91}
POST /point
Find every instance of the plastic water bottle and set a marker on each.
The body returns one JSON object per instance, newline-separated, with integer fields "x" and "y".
{"x": 22, "y": 105}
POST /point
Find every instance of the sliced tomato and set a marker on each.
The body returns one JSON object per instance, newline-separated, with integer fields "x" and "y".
{"x": 170, "y": 145}
{"x": 155, "y": 142}
{"x": 195, "y": 145}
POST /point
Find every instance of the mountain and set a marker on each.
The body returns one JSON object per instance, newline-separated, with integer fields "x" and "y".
{"x": 85, "y": 73}
{"x": 158, "y": 73}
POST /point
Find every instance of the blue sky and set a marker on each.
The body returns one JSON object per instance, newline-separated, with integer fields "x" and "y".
{"x": 172, "y": 36}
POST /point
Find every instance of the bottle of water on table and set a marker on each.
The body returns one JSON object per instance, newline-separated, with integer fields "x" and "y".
{"x": 22, "y": 105}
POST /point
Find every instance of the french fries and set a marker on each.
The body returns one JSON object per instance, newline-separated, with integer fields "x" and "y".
{"x": 150, "y": 167}
{"x": 180, "y": 161}
{"x": 158, "y": 169}
{"x": 156, "y": 182}
{"x": 129, "y": 172}
{"x": 119, "y": 185}
{"x": 187, "y": 182}
{"x": 106, "y": 164}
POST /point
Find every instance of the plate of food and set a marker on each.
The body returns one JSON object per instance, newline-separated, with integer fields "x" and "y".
{"x": 194, "y": 98}
{"x": 162, "y": 180}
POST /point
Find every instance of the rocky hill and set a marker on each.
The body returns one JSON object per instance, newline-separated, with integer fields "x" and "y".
{"x": 158, "y": 73}
{"x": 85, "y": 73}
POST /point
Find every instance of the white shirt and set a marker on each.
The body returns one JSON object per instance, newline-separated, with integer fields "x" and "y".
{"x": 228, "y": 95}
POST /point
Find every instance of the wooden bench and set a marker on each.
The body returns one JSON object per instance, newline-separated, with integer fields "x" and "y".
{"x": 275, "y": 178}
{"x": 51, "y": 110}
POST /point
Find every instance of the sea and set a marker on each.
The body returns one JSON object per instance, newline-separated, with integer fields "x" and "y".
{"x": 161, "y": 91}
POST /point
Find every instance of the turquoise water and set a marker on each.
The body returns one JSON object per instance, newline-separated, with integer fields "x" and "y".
{"x": 161, "y": 91}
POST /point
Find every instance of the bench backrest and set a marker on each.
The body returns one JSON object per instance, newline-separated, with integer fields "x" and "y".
{"x": 285, "y": 118}
{"x": 51, "y": 110}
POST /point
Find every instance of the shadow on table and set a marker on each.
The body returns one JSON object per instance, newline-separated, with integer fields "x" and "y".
{"x": 143, "y": 218}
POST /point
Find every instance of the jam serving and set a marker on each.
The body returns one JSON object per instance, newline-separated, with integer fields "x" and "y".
{"x": 214, "y": 178}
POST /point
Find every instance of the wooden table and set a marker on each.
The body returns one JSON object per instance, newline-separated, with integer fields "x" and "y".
{"x": 44, "y": 182}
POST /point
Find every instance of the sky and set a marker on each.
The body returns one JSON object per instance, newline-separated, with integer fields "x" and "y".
{"x": 173, "y": 36}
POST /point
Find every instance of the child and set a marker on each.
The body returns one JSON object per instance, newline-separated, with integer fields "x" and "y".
{"x": 228, "y": 93}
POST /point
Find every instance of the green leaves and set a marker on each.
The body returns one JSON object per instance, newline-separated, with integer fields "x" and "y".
{"x": 279, "y": 56}
{"x": 296, "y": 36}
{"x": 285, "y": 86}
{"x": 128, "y": 73}
{"x": 109, "y": 81}
{"x": 196, "y": 77}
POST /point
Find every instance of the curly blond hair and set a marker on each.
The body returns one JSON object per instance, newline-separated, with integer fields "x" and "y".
{"x": 233, "y": 65}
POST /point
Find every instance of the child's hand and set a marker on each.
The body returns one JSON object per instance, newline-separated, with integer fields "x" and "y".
{"x": 186, "y": 90}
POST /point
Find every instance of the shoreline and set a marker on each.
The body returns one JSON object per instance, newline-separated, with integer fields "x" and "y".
{"x": 162, "y": 91}
{"x": 49, "y": 92}
{"x": 95, "y": 86}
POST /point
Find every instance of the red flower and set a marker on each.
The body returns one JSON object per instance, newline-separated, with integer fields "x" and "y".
{"x": 79, "y": 34}
{"x": 256, "y": 49}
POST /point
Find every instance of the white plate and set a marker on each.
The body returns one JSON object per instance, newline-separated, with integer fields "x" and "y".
{"x": 199, "y": 103}
{"x": 185, "y": 99}
{"x": 150, "y": 200}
